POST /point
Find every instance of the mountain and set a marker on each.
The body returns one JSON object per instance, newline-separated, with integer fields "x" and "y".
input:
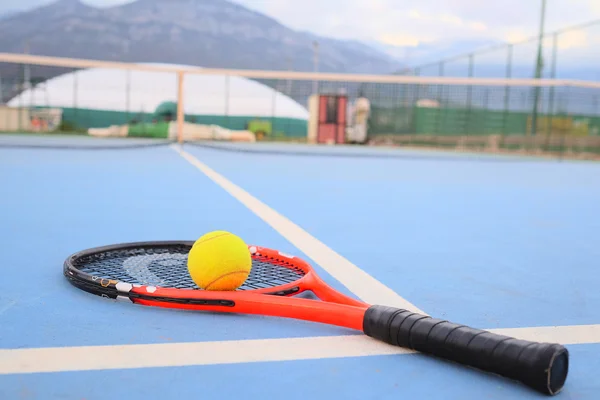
{"x": 207, "y": 33}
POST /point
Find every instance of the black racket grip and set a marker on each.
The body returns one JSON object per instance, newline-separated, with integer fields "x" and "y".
{"x": 541, "y": 366}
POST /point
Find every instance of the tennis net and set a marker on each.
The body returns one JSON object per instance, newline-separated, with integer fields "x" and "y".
{"x": 164, "y": 103}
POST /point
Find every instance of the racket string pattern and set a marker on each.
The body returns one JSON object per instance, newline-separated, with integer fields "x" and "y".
{"x": 167, "y": 267}
{"x": 155, "y": 274}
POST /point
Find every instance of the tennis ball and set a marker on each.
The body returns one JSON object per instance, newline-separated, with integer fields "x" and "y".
{"x": 219, "y": 260}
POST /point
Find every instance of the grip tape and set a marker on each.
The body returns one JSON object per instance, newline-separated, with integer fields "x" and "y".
{"x": 541, "y": 366}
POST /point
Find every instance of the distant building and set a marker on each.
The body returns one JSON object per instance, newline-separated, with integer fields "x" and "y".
{"x": 99, "y": 97}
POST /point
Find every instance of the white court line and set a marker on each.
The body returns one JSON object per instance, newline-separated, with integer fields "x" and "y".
{"x": 89, "y": 358}
{"x": 363, "y": 285}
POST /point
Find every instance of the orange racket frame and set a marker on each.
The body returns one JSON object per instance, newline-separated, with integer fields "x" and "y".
{"x": 542, "y": 366}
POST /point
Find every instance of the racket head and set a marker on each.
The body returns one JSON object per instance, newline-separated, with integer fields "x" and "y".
{"x": 160, "y": 269}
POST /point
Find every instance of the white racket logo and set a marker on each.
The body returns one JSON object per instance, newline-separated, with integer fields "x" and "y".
{"x": 138, "y": 267}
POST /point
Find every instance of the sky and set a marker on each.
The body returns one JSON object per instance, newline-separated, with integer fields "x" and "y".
{"x": 410, "y": 23}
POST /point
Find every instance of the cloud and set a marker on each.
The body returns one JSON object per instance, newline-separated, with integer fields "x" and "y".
{"x": 478, "y": 26}
{"x": 573, "y": 39}
{"x": 446, "y": 19}
{"x": 451, "y": 19}
{"x": 390, "y": 21}
{"x": 516, "y": 36}
{"x": 401, "y": 40}
{"x": 414, "y": 14}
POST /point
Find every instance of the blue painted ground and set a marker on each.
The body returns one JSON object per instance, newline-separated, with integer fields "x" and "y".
{"x": 487, "y": 244}
{"x": 492, "y": 244}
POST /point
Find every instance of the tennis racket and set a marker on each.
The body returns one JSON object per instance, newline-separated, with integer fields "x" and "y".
{"x": 155, "y": 274}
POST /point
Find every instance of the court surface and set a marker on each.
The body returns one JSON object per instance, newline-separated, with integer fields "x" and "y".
{"x": 501, "y": 243}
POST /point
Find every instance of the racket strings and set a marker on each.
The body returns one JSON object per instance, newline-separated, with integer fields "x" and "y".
{"x": 269, "y": 272}
{"x": 167, "y": 267}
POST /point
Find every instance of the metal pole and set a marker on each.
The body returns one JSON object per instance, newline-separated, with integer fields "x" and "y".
{"x": 27, "y": 78}
{"x": 27, "y": 69}
{"x": 75, "y": 100}
{"x": 316, "y": 66}
{"x": 180, "y": 107}
{"x": 416, "y": 89}
{"x": 128, "y": 81}
{"x": 128, "y": 94}
{"x": 289, "y": 82}
{"x": 550, "y": 116}
{"x": 507, "y": 89}
{"x": 538, "y": 69}
{"x": 470, "y": 93}
{"x": 227, "y": 82}
{"x": 439, "y": 109}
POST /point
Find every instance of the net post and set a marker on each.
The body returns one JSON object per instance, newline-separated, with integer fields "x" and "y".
{"x": 180, "y": 112}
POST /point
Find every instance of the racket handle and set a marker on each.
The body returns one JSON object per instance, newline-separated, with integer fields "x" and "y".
{"x": 541, "y": 366}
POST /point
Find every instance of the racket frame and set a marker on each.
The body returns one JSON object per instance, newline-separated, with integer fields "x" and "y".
{"x": 541, "y": 366}
{"x": 334, "y": 307}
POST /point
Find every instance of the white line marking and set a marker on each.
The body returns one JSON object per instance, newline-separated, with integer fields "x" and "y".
{"x": 569, "y": 334}
{"x": 367, "y": 288}
{"x": 88, "y": 358}
{"x": 20, "y": 361}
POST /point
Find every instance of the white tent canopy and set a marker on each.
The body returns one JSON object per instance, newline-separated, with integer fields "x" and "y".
{"x": 143, "y": 91}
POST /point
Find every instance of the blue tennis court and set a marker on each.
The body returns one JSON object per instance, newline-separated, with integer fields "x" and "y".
{"x": 500, "y": 243}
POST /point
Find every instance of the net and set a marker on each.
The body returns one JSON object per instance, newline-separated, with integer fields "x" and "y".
{"x": 139, "y": 104}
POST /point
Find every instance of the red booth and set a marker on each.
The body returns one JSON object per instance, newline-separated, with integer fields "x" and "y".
{"x": 328, "y": 119}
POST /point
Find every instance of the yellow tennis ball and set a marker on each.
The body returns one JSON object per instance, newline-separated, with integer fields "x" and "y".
{"x": 219, "y": 260}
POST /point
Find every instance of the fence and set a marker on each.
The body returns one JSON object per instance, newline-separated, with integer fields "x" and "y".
{"x": 569, "y": 53}
{"x": 555, "y": 116}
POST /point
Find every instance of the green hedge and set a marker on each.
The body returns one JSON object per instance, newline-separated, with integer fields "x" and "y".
{"x": 474, "y": 121}
{"x": 85, "y": 118}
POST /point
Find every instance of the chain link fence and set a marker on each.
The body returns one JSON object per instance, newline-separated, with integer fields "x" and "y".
{"x": 569, "y": 53}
